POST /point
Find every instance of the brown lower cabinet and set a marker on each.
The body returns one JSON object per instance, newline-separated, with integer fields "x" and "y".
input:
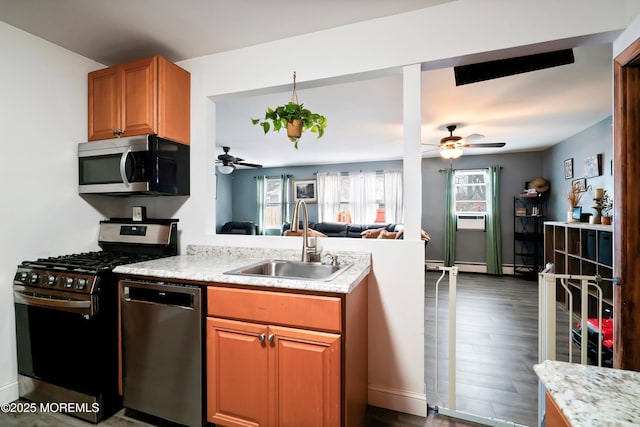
{"x": 285, "y": 358}
{"x": 553, "y": 415}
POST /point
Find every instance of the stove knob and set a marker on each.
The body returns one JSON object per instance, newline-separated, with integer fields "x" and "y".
{"x": 21, "y": 276}
{"x": 81, "y": 283}
{"x": 50, "y": 280}
{"x": 34, "y": 277}
{"x": 68, "y": 282}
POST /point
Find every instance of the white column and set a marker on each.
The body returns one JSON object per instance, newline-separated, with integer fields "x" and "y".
{"x": 411, "y": 103}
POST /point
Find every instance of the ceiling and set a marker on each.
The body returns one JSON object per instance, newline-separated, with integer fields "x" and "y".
{"x": 529, "y": 111}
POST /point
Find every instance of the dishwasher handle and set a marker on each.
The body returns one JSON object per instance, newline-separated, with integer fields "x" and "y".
{"x": 174, "y": 295}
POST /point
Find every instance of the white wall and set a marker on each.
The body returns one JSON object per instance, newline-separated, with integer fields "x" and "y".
{"x": 630, "y": 35}
{"x": 43, "y": 115}
{"x": 396, "y": 336}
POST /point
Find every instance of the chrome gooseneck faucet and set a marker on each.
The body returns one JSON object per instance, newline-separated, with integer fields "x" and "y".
{"x": 308, "y": 250}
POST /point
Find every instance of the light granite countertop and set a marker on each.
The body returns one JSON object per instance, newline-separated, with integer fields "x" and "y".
{"x": 209, "y": 264}
{"x": 592, "y": 396}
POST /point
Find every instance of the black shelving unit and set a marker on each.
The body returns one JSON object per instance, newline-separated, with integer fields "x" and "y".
{"x": 528, "y": 238}
{"x": 581, "y": 249}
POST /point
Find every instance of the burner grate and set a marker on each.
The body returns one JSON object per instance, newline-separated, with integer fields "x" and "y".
{"x": 90, "y": 261}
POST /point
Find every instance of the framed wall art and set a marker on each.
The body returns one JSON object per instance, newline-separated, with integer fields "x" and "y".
{"x": 305, "y": 189}
{"x": 580, "y": 184}
{"x": 568, "y": 168}
{"x": 593, "y": 166}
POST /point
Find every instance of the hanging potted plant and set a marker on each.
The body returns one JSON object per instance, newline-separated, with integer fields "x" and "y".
{"x": 294, "y": 117}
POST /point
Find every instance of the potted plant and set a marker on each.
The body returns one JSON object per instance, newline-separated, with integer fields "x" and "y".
{"x": 295, "y": 118}
{"x": 607, "y": 204}
{"x": 574, "y": 195}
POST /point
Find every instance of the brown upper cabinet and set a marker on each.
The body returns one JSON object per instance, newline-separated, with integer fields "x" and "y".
{"x": 150, "y": 95}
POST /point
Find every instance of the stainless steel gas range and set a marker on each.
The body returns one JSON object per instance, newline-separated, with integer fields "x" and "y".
{"x": 66, "y": 318}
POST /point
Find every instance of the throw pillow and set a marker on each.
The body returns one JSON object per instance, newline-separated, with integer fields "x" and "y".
{"x": 384, "y": 234}
{"x": 372, "y": 233}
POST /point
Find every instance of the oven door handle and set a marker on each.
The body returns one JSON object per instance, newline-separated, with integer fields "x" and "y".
{"x": 50, "y": 303}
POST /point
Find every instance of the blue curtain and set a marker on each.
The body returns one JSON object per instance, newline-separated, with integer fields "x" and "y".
{"x": 450, "y": 220}
{"x": 494, "y": 239}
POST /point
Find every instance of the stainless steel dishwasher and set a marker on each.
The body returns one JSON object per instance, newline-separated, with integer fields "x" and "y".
{"x": 162, "y": 350}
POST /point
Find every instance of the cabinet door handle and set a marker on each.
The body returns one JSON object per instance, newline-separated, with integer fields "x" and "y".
{"x": 270, "y": 338}
{"x": 118, "y": 132}
{"x": 261, "y": 337}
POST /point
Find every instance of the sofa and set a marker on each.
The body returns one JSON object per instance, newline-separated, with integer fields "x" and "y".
{"x": 341, "y": 229}
{"x": 238, "y": 227}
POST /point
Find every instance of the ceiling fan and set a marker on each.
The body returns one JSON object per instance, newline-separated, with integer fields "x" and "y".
{"x": 227, "y": 163}
{"x": 451, "y": 147}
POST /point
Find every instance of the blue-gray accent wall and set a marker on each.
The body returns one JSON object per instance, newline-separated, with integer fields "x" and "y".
{"x": 597, "y": 139}
{"x": 517, "y": 168}
{"x": 224, "y": 199}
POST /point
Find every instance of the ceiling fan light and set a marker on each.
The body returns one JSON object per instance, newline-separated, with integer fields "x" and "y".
{"x": 225, "y": 169}
{"x": 451, "y": 153}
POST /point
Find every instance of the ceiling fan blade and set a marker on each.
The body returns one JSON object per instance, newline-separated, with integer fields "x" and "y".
{"x": 252, "y": 165}
{"x": 431, "y": 149}
{"x": 474, "y": 137}
{"x": 485, "y": 145}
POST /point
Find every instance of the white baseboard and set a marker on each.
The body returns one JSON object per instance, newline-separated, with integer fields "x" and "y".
{"x": 468, "y": 267}
{"x": 9, "y": 392}
{"x": 398, "y": 400}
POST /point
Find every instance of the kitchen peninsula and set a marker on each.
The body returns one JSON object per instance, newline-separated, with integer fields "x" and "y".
{"x": 209, "y": 264}
{"x": 581, "y": 395}
{"x": 279, "y": 351}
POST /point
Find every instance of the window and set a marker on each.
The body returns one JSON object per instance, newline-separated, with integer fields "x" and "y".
{"x": 470, "y": 188}
{"x": 346, "y": 202}
{"x": 380, "y": 216}
{"x": 273, "y": 203}
{"x": 471, "y": 191}
{"x": 345, "y": 191}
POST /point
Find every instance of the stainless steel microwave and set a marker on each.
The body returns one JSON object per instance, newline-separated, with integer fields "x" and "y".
{"x": 134, "y": 165}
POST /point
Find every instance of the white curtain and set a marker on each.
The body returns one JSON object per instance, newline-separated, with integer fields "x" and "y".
{"x": 284, "y": 197}
{"x": 363, "y": 197}
{"x": 393, "y": 209}
{"x": 328, "y": 196}
{"x": 260, "y": 203}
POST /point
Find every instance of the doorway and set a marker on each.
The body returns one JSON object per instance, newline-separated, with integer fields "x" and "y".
{"x": 626, "y": 220}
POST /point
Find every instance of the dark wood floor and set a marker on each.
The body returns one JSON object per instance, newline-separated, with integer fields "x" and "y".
{"x": 497, "y": 348}
{"x": 497, "y": 344}
{"x": 376, "y": 417}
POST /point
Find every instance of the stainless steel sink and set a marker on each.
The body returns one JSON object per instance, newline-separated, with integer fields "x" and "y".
{"x": 291, "y": 270}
